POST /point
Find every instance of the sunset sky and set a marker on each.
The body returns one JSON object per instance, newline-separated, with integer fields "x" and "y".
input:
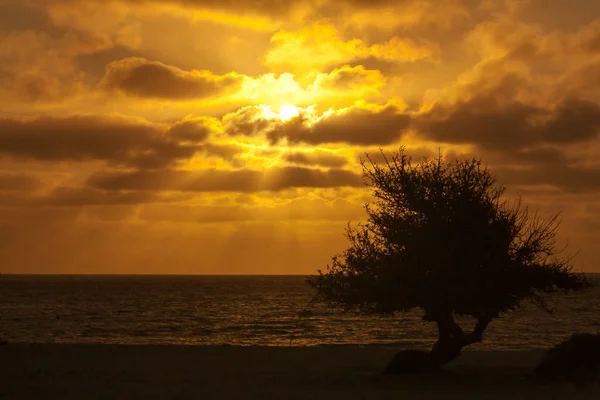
{"x": 224, "y": 136}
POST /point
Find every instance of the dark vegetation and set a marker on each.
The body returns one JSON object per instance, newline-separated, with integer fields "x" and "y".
{"x": 576, "y": 360}
{"x": 441, "y": 237}
{"x": 409, "y": 362}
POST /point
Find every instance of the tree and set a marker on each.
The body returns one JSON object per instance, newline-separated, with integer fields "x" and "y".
{"x": 441, "y": 237}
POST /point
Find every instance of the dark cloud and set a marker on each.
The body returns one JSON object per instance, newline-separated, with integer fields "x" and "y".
{"x": 17, "y": 181}
{"x": 260, "y": 7}
{"x": 566, "y": 178}
{"x": 355, "y": 126}
{"x": 573, "y": 121}
{"x": 273, "y": 7}
{"x": 190, "y": 130}
{"x": 95, "y": 63}
{"x": 479, "y": 122}
{"x": 593, "y": 41}
{"x": 38, "y": 65}
{"x": 583, "y": 79}
{"x": 350, "y": 78}
{"x": 360, "y": 126}
{"x": 386, "y": 67}
{"x": 321, "y": 159}
{"x": 415, "y": 153}
{"x": 67, "y": 196}
{"x": 543, "y": 155}
{"x": 215, "y": 180}
{"x": 142, "y": 78}
{"x": 510, "y": 126}
{"x": 17, "y": 15}
{"x": 296, "y": 210}
{"x": 247, "y": 121}
{"x": 270, "y": 7}
{"x": 117, "y": 140}
{"x": 560, "y": 15}
{"x": 224, "y": 151}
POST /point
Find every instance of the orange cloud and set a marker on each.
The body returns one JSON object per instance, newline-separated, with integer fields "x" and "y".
{"x": 321, "y": 159}
{"x": 117, "y": 140}
{"x": 17, "y": 181}
{"x": 40, "y": 67}
{"x": 321, "y": 45}
{"x": 347, "y": 78}
{"x": 301, "y": 209}
{"x": 143, "y": 78}
{"x": 272, "y": 179}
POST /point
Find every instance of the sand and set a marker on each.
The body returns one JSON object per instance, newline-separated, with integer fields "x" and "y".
{"x": 77, "y": 371}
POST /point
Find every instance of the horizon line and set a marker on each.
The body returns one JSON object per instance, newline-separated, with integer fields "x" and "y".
{"x": 140, "y": 274}
{"x": 172, "y": 275}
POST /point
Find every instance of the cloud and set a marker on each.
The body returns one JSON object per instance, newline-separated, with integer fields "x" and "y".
{"x": 563, "y": 177}
{"x": 72, "y": 196}
{"x": 301, "y": 209}
{"x": 214, "y": 180}
{"x": 355, "y": 125}
{"x": 573, "y": 120}
{"x": 78, "y": 197}
{"x": 258, "y": 7}
{"x": 193, "y": 130}
{"x": 17, "y": 181}
{"x": 385, "y": 67}
{"x": 224, "y": 151}
{"x": 583, "y": 81}
{"x": 541, "y": 155}
{"x": 321, "y": 159}
{"x": 590, "y": 37}
{"x": 150, "y": 79}
{"x": 17, "y": 15}
{"x": 321, "y": 45}
{"x": 489, "y": 124}
{"x": 360, "y": 125}
{"x": 348, "y": 78}
{"x": 38, "y": 66}
{"x": 496, "y": 106}
{"x": 510, "y": 39}
{"x": 117, "y": 140}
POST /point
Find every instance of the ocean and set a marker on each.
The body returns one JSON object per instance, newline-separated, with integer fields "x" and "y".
{"x": 244, "y": 310}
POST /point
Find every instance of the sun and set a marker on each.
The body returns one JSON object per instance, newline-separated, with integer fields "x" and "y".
{"x": 287, "y": 112}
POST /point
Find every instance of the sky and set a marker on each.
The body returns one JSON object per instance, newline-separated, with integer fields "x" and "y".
{"x": 225, "y": 137}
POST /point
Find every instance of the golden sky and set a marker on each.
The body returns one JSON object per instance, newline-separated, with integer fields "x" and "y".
{"x": 212, "y": 136}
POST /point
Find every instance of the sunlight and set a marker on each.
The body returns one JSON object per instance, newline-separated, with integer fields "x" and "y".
{"x": 287, "y": 112}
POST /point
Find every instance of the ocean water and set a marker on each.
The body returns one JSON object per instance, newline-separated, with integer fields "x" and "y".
{"x": 243, "y": 310}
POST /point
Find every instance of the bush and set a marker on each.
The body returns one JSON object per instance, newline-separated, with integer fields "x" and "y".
{"x": 576, "y": 360}
{"x": 410, "y": 362}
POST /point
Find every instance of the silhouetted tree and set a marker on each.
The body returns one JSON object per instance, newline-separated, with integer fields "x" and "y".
{"x": 441, "y": 237}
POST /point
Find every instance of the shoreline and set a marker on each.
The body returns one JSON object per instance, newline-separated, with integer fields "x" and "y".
{"x": 127, "y": 371}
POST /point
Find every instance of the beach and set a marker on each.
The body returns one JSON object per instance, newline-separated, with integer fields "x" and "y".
{"x": 84, "y": 371}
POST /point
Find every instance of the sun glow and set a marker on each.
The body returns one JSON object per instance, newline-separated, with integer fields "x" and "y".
{"x": 287, "y": 112}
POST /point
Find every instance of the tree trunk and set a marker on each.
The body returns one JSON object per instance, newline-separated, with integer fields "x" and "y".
{"x": 452, "y": 339}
